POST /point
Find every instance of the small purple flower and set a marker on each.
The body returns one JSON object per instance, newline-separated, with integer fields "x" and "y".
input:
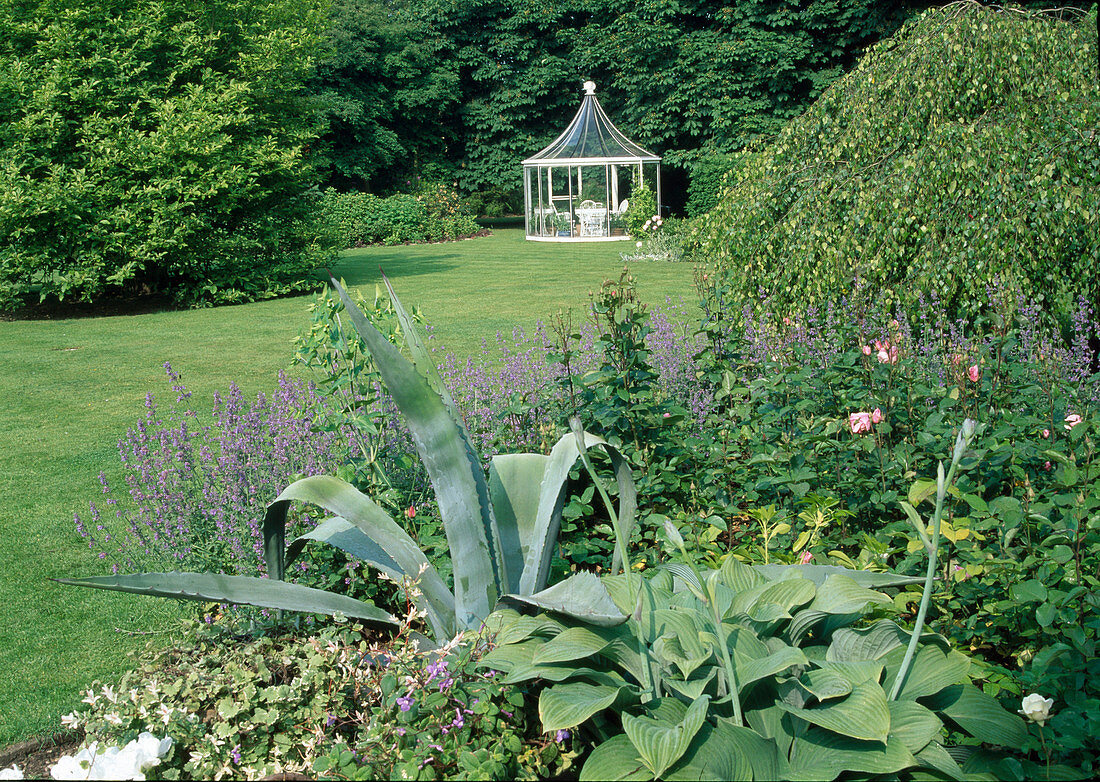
{"x": 405, "y": 703}
{"x": 458, "y": 721}
{"x": 561, "y": 736}
{"x": 235, "y": 754}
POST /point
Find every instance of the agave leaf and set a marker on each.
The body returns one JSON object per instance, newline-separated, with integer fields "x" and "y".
{"x": 581, "y": 596}
{"x": 346, "y": 502}
{"x": 238, "y": 590}
{"x": 818, "y": 574}
{"x": 515, "y": 482}
{"x": 453, "y": 467}
{"x": 543, "y": 528}
{"x": 421, "y": 360}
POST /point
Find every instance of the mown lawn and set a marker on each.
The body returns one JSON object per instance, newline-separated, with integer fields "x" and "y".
{"x": 70, "y": 388}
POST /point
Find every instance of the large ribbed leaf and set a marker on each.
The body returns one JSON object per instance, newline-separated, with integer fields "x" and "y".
{"x": 930, "y": 672}
{"x": 820, "y": 754}
{"x": 581, "y": 596}
{"x": 344, "y": 501}
{"x": 661, "y": 744}
{"x": 453, "y": 467}
{"x": 913, "y": 725}
{"x": 238, "y": 590}
{"x": 853, "y": 645}
{"x": 862, "y": 715}
{"x": 615, "y": 760}
{"x": 979, "y": 714}
{"x": 574, "y": 643}
{"x": 568, "y": 705}
{"x": 718, "y": 753}
{"x": 544, "y": 525}
{"x": 749, "y": 670}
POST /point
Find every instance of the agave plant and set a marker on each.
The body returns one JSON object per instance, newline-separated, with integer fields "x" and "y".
{"x": 501, "y": 529}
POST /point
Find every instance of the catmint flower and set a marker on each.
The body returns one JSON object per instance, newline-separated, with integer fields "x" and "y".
{"x": 1036, "y": 708}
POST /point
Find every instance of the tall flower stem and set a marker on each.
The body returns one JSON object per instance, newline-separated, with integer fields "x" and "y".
{"x": 932, "y": 546}
{"x": 650, "y": 683}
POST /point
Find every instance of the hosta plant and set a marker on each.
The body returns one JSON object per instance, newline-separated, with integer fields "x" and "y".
{"x": 757, "y": 672}
{"x": 501, "y": 529}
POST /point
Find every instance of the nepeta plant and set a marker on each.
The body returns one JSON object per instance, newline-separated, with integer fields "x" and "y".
{"x": 197, "y": 486}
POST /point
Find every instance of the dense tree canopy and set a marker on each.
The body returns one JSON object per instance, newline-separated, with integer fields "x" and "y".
{"x": 960, "y": 154}
{"x": 156, "y": 146}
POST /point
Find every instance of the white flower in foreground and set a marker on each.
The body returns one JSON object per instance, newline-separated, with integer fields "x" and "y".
{"x": 11, "y": 773}
{"x": 130, "y": 762}
{"x": 1037, "y": 708}
{"x": 70, "y": 720}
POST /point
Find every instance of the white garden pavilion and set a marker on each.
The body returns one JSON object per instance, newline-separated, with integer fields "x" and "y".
{"x": 577, "y": 188}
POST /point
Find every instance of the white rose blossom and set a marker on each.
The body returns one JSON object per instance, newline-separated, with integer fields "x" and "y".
{"x": 1037, "y": 708}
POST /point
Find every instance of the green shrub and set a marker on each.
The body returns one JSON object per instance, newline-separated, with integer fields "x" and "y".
{"x": 434, "y": 213}
{"x": 705, "y": 186}
{"x": 643, "y": 207}
{"x": 959, "y": 152}
{"x": 157, "y": 147}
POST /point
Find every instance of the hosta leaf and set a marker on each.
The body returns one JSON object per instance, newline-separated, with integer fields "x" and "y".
{"x": 691, "y": 689}
{"x": 913, "y": 725}
{"x": 979, "y": 714}
{"x": 761, "y": 602}
{"x": 238, "y": 590}
{"x": 573, "y": 643}
{"x": 840, "y": 594}
{"x": 661, "y": 744}
{"x": 343, "y": 500}
{"x": 717, "y": 752}
{"x": 509, "y": 626}
{"x": 825, "y": 684}
{"x": 930, "y": 672}
{"x": 738, "y": 576}
{"x": 750, "y": 670}
{"x": 452, "y": 465}
{"x": 821, "y": 754}
{"x": 762, "y": 754}
{"x": 568, "y": 705}
{"x": 935, "y": 757}
{"x": 866, "y": 643}
{"x": 581, "y": 596}
{"x": 862, "y": 715}
{"x": 615, "y": 759}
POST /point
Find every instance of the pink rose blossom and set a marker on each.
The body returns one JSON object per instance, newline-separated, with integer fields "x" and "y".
{"x": 1046, "y": 466}
{"x": 859, "y": 422}
{"x": 866, "y": 350}
{"x": 805, "y": 558}
{"x": 876, "y": 416}
{"x": 1072, "y": 420}
{"x": 973, "y": 373}
{"x": 1046, "y": 434}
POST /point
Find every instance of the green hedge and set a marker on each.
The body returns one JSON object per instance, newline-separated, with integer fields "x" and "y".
{"x": 435, "y": 213}
{"x": 960, "y": 151}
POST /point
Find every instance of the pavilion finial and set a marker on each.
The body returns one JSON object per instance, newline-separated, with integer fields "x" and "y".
{"x": 590, "y": 88}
